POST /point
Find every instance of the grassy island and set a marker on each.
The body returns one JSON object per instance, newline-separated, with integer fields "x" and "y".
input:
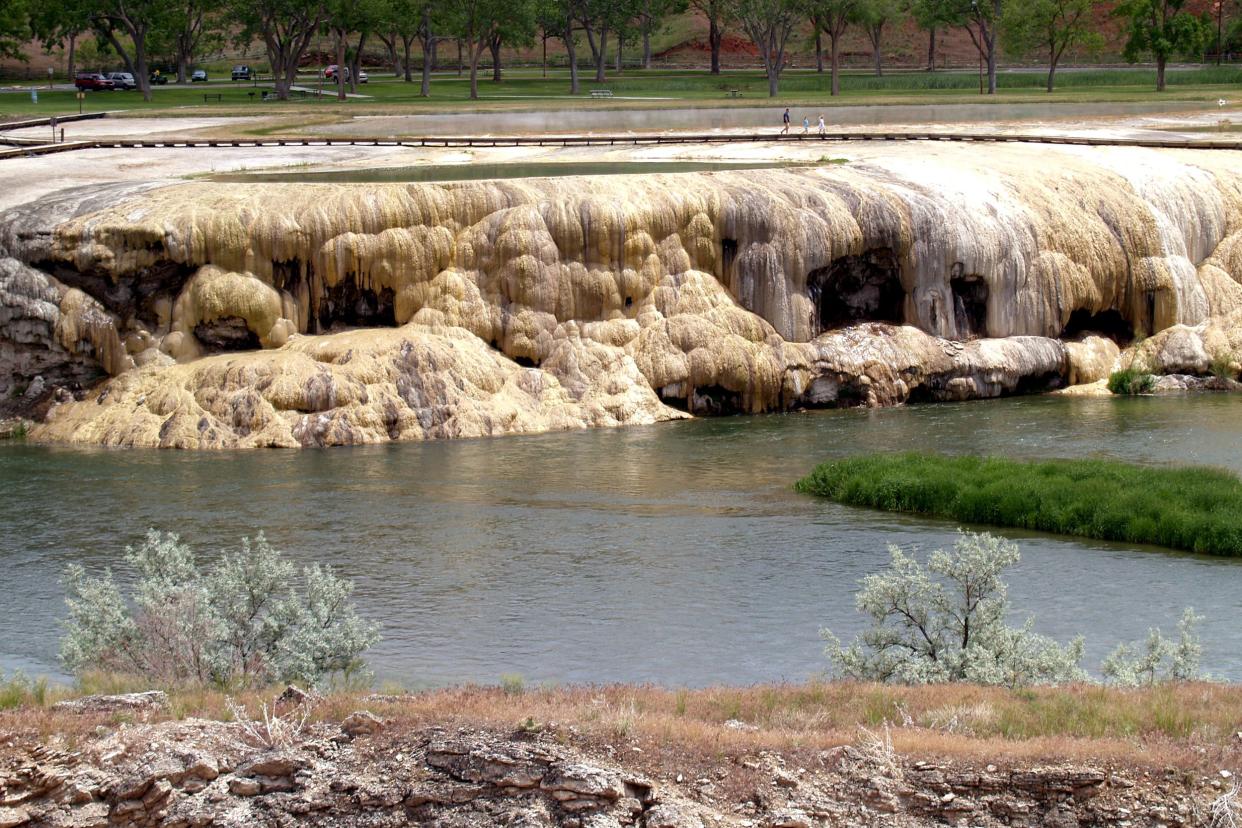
{"x": 1191, "y": 508}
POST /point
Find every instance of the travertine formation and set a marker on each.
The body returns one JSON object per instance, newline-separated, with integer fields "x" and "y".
{"x": 281, "y": 315}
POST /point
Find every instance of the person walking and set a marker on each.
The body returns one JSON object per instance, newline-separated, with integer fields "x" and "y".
{"x": 823, "y": 130}
{"x": 806, "y": 124}
{"x": 785, "y": 131}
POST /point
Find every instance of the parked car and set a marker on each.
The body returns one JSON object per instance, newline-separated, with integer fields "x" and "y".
{"x": 242, "y": 73}
{"x": 122, "y": 80}
{"x": 92, "y": 81}
{"x": 330, "y": 74}
{"x": 199, "y": 76}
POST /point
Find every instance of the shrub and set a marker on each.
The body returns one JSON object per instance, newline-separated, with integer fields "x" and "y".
{"x": 19, "y": 690}
{"x": 1159, "y": 659}
{"x": 1131, "y": 381}
{"x": 1192, "y": 508}
{"x": 1222, "y": 366}
{"x": 946, "y": 622}
{"x": 247, "y": 620}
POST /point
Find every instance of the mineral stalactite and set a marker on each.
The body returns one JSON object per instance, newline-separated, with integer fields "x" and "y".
{"x": 227, "y": 315}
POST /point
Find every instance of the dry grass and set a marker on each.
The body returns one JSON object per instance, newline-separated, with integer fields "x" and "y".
{"x": 1186, "y": 725}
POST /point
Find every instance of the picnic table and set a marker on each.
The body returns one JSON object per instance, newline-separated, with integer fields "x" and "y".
{"x": 601, "y": 93}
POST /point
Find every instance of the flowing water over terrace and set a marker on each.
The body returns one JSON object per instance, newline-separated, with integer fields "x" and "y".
{"x": 675, "y": 553}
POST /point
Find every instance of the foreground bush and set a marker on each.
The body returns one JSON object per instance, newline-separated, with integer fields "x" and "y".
{"x": 1191, "y": 508}
{"x": 246, "y": 620}
{"x": 946, "y": 621}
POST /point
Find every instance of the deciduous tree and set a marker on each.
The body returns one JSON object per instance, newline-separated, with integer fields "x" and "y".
{"x": 833, "y": 18}
{"x": 768, "y": 24}
{"x": 1162, "y": 29}
{"x": 1052, "y": 26}
{"x": 875, "y": 16}
{"x": 717, "y": 14}
{"x": 286, "y": 28}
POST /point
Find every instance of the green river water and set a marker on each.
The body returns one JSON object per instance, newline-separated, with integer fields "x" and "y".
{"x": 675, "y": 553}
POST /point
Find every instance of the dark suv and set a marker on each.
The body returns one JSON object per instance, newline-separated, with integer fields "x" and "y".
{"x": 242, "y": 73}
{"x": 92, "y": 80}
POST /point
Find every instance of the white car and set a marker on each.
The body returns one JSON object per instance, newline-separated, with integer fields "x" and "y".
{"x": 122, "y": 80}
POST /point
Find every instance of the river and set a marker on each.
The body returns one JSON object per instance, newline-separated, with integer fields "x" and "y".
{"x": 675, "y": 553}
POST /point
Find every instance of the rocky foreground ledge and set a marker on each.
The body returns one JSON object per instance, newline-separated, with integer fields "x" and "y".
{"x": 368, "y": 769}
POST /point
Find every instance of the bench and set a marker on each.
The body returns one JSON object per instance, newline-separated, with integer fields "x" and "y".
{"x": 735, "y": 93}
{"x": 601, "y": 93}
{"x": 217, "y": 96}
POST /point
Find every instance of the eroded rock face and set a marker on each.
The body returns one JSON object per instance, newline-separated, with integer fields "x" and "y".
{"x": 198, "y": 773}
{"x": 529, "y": 305}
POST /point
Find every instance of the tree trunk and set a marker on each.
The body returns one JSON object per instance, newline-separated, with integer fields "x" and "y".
{"x": 73, "y": 56}
{"x": 931, "y": 49}
{"x": 714, "y": 37}
{"x": 877, "y": 40}
{"x": 355, "y": 62}
{"x": 1160, "y": 64}
{"x": 1052, "y": 69}
{"x": 819, "y": 49}
{"x": 835, "y": 62}
{"x": 459, "y": 58}
{"x": 406, "y": 43}
{"x": 183, "y": 67}
{"x": 574, "y": 87}
{"x": 475, "y": 54}
{"x": 646, "y": 49}
{"x": 494, "y": 47}
{"x": 601, "y": 57}
{"x": 620, "y": 44}
{"x": 992, "y": 65}
{"x": 340, "y": 65}
{"x": 428, "y": 62}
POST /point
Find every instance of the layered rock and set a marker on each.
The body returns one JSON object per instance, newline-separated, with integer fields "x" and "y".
{"x": 199, "y": 773}
{"x": 528, "y": 305}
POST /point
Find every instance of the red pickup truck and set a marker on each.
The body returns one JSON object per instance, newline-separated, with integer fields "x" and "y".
{"x": 92, "y": 80}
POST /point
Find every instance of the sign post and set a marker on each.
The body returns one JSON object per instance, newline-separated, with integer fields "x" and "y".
{"x": 50, "y": 72}
{"x": 81, "y": 97}
{"x": 52, "y": 121}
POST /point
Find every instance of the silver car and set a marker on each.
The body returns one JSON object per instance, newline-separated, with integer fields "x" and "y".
{"x": 122, "y": 80}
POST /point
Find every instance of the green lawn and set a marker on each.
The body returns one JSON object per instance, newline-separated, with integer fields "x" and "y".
{"x": 1191, "y": 508}
{"x": 526, "y": 88}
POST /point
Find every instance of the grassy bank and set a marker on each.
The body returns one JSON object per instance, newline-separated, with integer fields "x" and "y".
{"x": 1152, "y": 727}
{"x": 656, "y": 88}
{"x": 1194, "y": 509}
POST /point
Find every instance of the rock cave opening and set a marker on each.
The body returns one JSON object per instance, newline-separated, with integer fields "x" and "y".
{"x": 706, "y": 401}
{"x": 1108, "y": 323}
{"x": 135, "y": 297}
{"x": 865, "y": 288}
{"x": 833, "y": 391}
{"x": 970, "y": 306}
{"x": 728, "y": 254}
{"x": 347, "y": 304}
{"x": 1038, "y": 383}
{"x": 228, "y": 333}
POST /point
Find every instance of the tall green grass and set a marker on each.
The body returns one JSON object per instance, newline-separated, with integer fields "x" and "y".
{"x": 1191, "y": 508}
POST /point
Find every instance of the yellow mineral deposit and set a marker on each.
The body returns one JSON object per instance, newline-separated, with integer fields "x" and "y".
{"x": 324, "y": 314}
